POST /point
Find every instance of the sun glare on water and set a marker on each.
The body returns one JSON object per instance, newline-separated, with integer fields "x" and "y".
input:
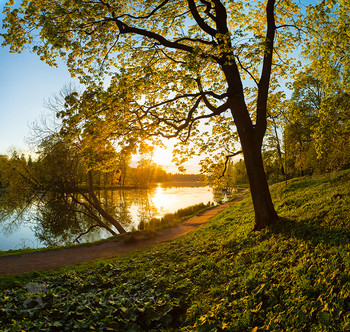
{"x": 160, "y": 201}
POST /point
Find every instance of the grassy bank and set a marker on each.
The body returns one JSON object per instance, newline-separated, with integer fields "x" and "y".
{"x": 293, "y": 276}
{"x": 155, "y": 224}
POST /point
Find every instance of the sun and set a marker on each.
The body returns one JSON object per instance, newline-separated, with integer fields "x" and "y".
{"x": 163, "y": 156}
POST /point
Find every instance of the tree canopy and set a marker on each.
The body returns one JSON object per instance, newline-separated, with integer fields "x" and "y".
{"x": 172, "y": 64}
{"x": 327, "y": 50}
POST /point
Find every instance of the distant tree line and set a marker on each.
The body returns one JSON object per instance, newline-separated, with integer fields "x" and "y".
{"x": 61, "y": 170}
{"x": 217, "y": 63}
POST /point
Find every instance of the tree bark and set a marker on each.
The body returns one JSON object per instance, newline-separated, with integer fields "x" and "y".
{"x": 251, "y": 138}
{"x": 251, "y": 135}
{"x": 265, "y": 213}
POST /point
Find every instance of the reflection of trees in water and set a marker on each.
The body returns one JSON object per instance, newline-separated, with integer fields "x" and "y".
{"x": 117, "y": 204}
{"x": 52, "y": 184}
{"x": 56, "y": 218}
{"x": 120, "y": 204}
{"x": 61, "y": 218}
{"x": 12, "y": 212}
{"x": 65, "y": 220}
{"x": 145, "y": 208}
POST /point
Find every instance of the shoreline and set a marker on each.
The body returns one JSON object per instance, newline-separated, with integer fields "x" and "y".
{"x": 50, "y": 259}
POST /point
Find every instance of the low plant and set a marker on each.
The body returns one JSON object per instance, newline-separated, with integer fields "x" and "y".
{"x": 293, "y": 276}
{"x": 173, "y": 219}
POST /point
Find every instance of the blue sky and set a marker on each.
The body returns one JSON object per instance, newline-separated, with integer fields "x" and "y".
{"x": 24, "y": 85}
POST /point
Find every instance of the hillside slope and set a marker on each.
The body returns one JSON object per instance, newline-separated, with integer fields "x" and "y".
{"x": 291, "y": 277}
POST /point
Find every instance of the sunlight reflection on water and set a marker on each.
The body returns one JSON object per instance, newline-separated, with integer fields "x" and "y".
{"x": 134, "y": 205}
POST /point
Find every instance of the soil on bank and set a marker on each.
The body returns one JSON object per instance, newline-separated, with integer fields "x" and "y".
{"x": 140, "y": 240}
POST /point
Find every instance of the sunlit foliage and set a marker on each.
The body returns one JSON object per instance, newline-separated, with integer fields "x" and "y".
{"x": 290, "y": 277}
{"x": 171, "y": 65}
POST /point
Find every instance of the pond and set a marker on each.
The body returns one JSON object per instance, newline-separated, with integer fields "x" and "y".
{"x": 130, "y": 207}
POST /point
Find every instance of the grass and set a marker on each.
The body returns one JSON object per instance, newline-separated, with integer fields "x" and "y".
{"x": 293, "y": 276}
{"x": 173, "y": 219}
{"x": 13, "y": 252}
{"x": 169, "y": 220}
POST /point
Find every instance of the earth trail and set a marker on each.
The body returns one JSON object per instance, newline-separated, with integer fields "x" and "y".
{"x": 116, "y": 246}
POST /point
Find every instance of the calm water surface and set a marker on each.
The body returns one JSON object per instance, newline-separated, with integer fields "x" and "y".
{"x": 130, "y": 208}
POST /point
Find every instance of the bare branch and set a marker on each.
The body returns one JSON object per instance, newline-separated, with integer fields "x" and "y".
{"x": 108, "y": 52}
{"x": 227, "y": 159}
{"x": 170, "y": 58}
{"x": 246, "y": 70}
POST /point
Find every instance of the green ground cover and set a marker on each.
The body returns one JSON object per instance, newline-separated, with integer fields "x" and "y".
{"x": 294, "y": 276}
{"x": 169, "y": 220}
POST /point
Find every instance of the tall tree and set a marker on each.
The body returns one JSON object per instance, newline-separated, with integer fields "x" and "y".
{"x": 176, "y": 62}
{"x": 328, "y": 44}
{"x": 327, "y": 51}
{"x": 3, "y": 182}
{"x": 301, "y": 117}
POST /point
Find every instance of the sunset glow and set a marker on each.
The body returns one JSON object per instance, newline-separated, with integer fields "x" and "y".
{"x": 163, "y": 156}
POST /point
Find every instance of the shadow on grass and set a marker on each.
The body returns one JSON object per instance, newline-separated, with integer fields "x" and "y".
{"x": 311, "y": 232}
{"x": 297, "y": 184}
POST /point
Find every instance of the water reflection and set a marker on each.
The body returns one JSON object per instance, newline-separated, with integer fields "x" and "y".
{"x": 61, "y": 220}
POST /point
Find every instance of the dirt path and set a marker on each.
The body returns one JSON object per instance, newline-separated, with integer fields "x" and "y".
{"x": 62, "y": 257}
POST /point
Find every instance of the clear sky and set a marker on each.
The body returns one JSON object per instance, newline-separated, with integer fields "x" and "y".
{"x": 24, "y": 85}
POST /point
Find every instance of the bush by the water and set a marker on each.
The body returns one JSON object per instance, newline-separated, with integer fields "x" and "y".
{"x": 293, "y": 276}
{"x": 172, "y": 219}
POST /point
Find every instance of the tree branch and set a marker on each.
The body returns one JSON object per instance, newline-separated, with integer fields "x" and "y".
{"x": 266, "y": 71}
{"x": 227, "y": 159}
{"x": 170, "y": 58}
{"x": 189, "y": 95}
{"x": 124, "y": 28}
{"x": 246, "y": 70}
{"x": 108, "y": 52}
{"x": 187, "y": 120}
{"x": 221, "y": 16}
{"x": 208, "y": 9}
{"x": 82, "y": 234}
{"x": 206, "y": 42}
{"x": 202, "y": 24}
{"x": 215, "y": 110}
{"x": 148, "y": 15}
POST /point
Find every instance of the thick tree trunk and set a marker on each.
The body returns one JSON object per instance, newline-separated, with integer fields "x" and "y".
{"x": 265, "y": 213}
{"x": 251, "y": 138}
